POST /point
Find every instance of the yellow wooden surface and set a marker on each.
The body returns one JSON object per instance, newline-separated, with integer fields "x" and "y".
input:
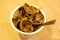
{"x": 51, "y": 9}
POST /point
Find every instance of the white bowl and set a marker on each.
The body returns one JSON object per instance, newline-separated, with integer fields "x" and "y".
{"x": 22, "y": 31}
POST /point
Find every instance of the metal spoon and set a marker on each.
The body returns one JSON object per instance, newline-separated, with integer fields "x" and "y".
{"x": 47, "y": 23}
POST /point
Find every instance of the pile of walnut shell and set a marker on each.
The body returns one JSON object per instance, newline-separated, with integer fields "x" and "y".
{"x": 26, "y": 16}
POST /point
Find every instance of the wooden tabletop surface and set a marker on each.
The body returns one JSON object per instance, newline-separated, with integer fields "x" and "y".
{"x": 51, "y": 9}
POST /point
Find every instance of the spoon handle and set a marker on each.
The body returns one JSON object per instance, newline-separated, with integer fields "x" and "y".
{"x": 48, "y": 23}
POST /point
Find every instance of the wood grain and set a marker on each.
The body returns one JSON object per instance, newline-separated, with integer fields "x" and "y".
{"x": 51, "y": 9}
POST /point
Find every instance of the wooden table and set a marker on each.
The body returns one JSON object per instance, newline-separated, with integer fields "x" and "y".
{"x": 51, "y": 9}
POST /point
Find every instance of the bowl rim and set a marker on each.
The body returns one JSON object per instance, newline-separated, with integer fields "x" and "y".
{"x": 22, "y": 31}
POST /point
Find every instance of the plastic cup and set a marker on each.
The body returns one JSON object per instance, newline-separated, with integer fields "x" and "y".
{"x": 27, "y": 35}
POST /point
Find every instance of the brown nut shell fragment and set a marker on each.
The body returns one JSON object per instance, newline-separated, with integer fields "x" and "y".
{"x": 26, "y": 26}
{"x": 30, "y": 9}
{"x": 39, "y": 17}
{"x": 15, "y": 18}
